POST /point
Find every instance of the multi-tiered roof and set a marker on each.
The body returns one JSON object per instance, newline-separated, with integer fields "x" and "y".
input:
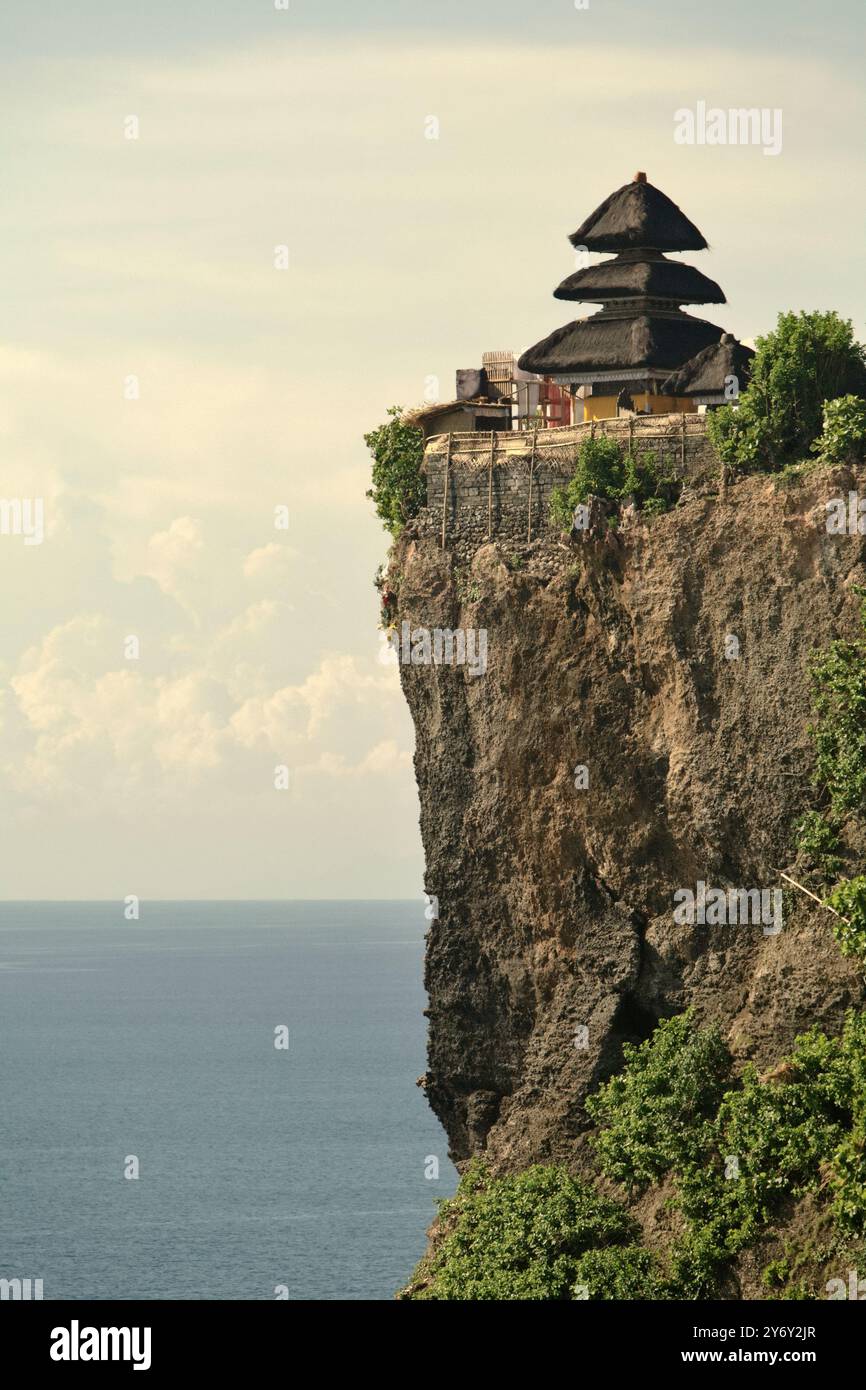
{"x": 641, "y": 332}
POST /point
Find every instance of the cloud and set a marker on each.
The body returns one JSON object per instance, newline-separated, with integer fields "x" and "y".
{"x": 385, "y": 759}
{"x": 173, "y": 554}
{"x": 269, "y": 562}
{"x": 303, "y": 711}
{"x": 87, "y": 723}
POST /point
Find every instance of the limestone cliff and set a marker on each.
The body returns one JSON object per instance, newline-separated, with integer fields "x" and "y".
{"x": 555, "y": 900}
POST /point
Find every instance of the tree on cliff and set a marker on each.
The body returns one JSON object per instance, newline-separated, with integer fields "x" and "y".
{"x": 807, "y": 360}
{"x": 398, "y": 488}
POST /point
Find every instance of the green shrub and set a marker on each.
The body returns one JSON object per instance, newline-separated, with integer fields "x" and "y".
{"x": 619, "y": 1272}
{"x": 697, "y": 1261}
{"x": 794, "y": 473}
{"x": 839, "y": 735}
{"x": 843, "y": 438}
{"x": 657, "y": 1113}
{"x": 523, "y": 1236}
{"x": 848, "y": 1165}
{"x": 848, "y": 899}
{"x": 777, "y": 1273}
{"x": 398, "y": 490}
{"x": 818, "y": 844}
{"x": 839, "y": 701}
{"x": 781, "y": 1131}
{"x": 785, "y": 1134}
{"x": 603, "y": 469}
{"x": 741, "y": 437}
{"x": 848, "y": 1181}
{"x": 599, "y": 471}
{"x": 807, "y": 360}
{"x": 765, "y": 1141}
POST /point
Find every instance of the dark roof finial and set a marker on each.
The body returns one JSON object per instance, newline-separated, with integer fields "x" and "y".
{"x": 640, "y": 177}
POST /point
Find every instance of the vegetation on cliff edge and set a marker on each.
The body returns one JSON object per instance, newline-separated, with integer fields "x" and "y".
{"x": 736, "y": 1151}
{"x": 827, "y": 834}
{"x": 398, "y": 490}
{"x": 603, "y": 469}
{"x": 806, "y": 361}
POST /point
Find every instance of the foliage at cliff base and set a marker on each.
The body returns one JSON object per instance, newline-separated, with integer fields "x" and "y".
{"x": 737, "y": 1152}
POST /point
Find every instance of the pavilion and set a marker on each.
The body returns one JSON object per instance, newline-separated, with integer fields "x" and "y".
{"x": 641, "y": 336}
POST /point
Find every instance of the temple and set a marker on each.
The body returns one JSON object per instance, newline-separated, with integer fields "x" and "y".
{"x": 626, "y": 356}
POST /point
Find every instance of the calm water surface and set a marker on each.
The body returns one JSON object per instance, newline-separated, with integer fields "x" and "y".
{"x": 258, "y": 1167}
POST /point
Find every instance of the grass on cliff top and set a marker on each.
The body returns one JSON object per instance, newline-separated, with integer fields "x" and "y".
{"x": 737, "y": 1151}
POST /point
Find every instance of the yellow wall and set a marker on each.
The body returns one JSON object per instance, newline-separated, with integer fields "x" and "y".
{"x": 604, "y": 407}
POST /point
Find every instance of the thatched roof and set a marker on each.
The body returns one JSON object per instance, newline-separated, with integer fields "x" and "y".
{"x": 704, "y": 375}
{"x": 634, "y": 274}
{"x": 422, "y": 415}
{"x": 638, "y": 215}
{"x": 607, "y": 341}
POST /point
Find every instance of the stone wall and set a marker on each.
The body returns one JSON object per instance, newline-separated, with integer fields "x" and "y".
{"x": 499, "y": 485}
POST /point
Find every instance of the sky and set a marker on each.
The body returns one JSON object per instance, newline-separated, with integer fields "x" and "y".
{"x": 165, "y": 388}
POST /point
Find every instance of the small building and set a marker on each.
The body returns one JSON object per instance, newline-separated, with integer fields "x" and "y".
{"x": 498, "y": 395}
{"x": 640, "y": 336}
{"x": 459, "y": 417}
{"x": 716, "y": 376}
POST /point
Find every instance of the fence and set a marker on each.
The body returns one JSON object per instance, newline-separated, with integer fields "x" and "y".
{"x": 499, "y": 483}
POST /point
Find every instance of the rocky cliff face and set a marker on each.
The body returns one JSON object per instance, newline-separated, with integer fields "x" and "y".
{"x": 556, "y": 940}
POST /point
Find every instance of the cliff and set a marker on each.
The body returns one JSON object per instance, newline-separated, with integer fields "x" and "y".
{"x": 555, "y": 941}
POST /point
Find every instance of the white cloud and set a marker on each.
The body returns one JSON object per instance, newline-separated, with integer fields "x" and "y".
{"x": 386, "y": 759}
{"x": 174, "y": 553}
{"x": 302, "y": 711}
{"x": 87, "y": 722}
{"x": 269, "y": 561}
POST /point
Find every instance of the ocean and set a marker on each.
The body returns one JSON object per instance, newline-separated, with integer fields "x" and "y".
{"x": 148, "y": 1046}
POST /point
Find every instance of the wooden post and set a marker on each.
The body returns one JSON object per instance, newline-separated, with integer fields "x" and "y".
{"x": 683, "y": 444}
{"x": 490, "y": 486}
{"x": 445, "y": 492}
{"x": 631, "y": 436}
{"x": 531, "y": 472}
